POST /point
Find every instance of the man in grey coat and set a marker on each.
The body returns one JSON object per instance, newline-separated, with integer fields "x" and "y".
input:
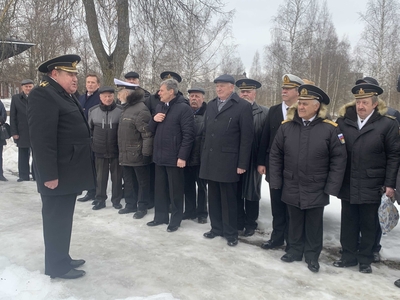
{"x": 249, "y": 185}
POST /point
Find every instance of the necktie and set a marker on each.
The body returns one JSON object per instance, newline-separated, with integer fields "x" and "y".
{"x": 306, "y": 123}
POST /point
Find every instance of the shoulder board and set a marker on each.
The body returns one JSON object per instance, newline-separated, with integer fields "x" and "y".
{"x": 330, "y": 122}
{"x": 44, "y": 83}
{"x": 391, "y": 117}
{"x": 285, "y": 121}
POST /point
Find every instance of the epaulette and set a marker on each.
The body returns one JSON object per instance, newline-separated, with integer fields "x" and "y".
{"x": 44, "y": 83}
{"x": 330, "y": 122}
{"x": 285, "y": 121}
{"x": 391, "y": 117}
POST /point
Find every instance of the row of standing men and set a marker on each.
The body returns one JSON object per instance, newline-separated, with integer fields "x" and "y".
{"x": 307, "y": 160}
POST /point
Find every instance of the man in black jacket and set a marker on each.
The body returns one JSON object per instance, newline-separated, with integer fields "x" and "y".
{"x": 276, "y": 115}
{"x": 228, "y": 136}
{"x": 60, "y": 139}
{"x": 20, "y": 130}
{"x": 196, "y": 209}
{"x": 372, "y": 164}
{"x": 3, "y": 118}
{"x": 89, "y": 99}
{"x": 103, "y": 123}
{"x": 307, "y": 162}
{"x": 173, "y": 139}
{"x": 249, "y": 185}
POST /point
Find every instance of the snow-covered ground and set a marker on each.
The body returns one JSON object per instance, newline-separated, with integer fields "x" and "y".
{"x": 125, "y": 259}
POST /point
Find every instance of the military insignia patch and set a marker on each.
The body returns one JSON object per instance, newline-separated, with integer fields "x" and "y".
{"x": 341, "y": 138}
{"x": 44, "y": 83}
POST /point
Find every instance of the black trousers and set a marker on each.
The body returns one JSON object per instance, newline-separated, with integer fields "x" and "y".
{"x": 193, "y": 208}
{"x": 57, "y": 214}
{"x": 169, "y": 183}
{"x": 356, "y": 219}
{"x": 222, "y": 204}
{"x": 306, "y": 232}
{"x": 104, "y": 166}
{"x": 280, "y": 217}
{"x": 248, "y": 210}
{"x": 137, "y": 187}
{"x": 23, "y": 163}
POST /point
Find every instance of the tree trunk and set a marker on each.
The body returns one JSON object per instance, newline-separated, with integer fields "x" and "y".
{"x": 111, "y": 64}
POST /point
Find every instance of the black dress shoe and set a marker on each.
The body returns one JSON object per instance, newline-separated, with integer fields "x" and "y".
{"x": 99, "y": 205}
{"x": 75, "y": 263}
{"x": 343, "y": 263}
{"x": 397, "y": 283}
{"x": 172, "y": 228}
{"x": 2, "y": 178}
{"x": 127, "y": 210}
{"x": 117, "y": 205}
{"x": 139, "y": 214}
{"x": 188, "y": 217}
{"x": 155, "y": 223}
{"x": 232, "y": 242}
{"x": 290, "y": 258}
{"x": 22, "y": 179}
{"x": 71, "y": 274}
{"x": 94, "y": 202}
{"x": 313, "y": 266}
{"x": 376, "y": 257}
{"x": 85, "y": 198}
{"x": 202, "y": 220}
{"x": 210, "y": 235}
{"x": 249, "y": 232}
{"x": 271, "y": 244}
{"x": 365, "y": 268}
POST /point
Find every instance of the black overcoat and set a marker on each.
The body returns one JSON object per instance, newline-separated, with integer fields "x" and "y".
{"x": 307, "y": 162}
{"x": 251, "y": 187}
{"x": 19, "y": 120}
{"x": 271, "y": 126}
{"x": 227, "y": 140}
{"x": 60, "y": 139}
{"x": 372, "y": 154}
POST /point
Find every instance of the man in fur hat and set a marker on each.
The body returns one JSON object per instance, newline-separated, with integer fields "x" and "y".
{"x": 307, "y": 162}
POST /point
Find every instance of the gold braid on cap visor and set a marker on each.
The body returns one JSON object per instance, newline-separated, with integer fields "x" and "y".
{"x": 362, "y": 94}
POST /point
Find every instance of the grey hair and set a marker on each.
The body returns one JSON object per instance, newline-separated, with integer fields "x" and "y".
{"x": 171, "y": 84}
{"x": 374, "y": 99}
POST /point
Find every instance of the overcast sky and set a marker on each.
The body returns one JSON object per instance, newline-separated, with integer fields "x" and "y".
{"x": 253, "y": 21}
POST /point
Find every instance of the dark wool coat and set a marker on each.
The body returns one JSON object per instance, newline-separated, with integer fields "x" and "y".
{"x": 103, "y": 123}
{"x": 135, "y": 140}
{"x": 198, "y": 118}
{"x": 88, "y": 102}
{"x": 307, "y": 162}
{"x": 19, "y": 120}
{"x": 272, "y": 123}
{"x": 372, "y": 154}
{"x": 60, "y": 139}
{"x": 227, "y": 140}
{"x": 251, "y": 187}
{"x": 3, "y": 118}
{"x": 174, "y": 137}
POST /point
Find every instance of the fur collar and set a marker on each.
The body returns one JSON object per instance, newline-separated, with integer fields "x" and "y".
{"x": 381, "y": 108}
{"x": 322, "y": 113}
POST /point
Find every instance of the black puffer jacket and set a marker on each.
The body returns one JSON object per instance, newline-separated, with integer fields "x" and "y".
{"x": 373, "y": 154}
{"x": 103, "y": 123}
{"x": 135, "y": 141}
{"x": 198, "y": 118}
{"x": 307, "y": 162}
{"x": 173, "y": 138}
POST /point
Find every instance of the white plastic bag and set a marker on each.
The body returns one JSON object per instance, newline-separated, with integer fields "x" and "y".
{"x": 388, "y": 214}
